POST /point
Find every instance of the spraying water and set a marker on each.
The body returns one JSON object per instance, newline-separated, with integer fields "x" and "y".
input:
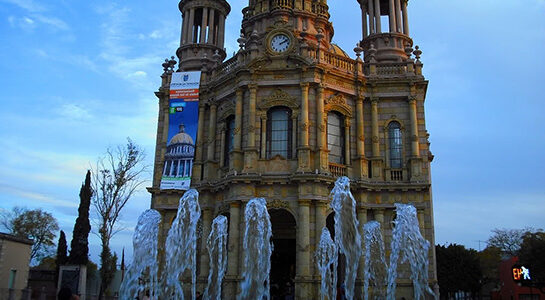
{"x": 409, "y": 246}
{"x": 375, "y": 263}
{"x": 327, "y": 259}
{"x": 144, "y": 263}
{"x": 347, "y": 234}
{"x": 257, "y": 251}
{"x": 181, "y": 246}
{"x": 217, "y": 241}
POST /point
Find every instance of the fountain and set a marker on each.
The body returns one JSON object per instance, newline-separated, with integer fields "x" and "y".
{"x": 217, "y": 241}
{"x": 407, "y": 246}
{"x": 327, "y": 257}
{"x": 257, "y": 251}
{"x": 374, "y": 270}
{"x": 413, "y": 248}
{"x": 180, "y": 248}
{"x": 347, "y": 234}
{"x": 144, "y": 263}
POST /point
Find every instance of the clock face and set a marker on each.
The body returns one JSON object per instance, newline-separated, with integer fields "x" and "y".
{"x": 280, "y": 43}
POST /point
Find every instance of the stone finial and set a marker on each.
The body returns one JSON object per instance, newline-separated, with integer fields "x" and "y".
{"x": 358, "y": 50}
{"x": 168, "y": 65}
{"x": 165, "y": 65}
{"x": 241, "y": 41}
{"x": 372, "y": 52}
{"x": 417, "y": 53}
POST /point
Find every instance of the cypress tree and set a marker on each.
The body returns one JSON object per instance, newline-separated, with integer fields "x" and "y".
{"x": 62, "y": 250}
{"x": 62, "y": 255}
{"x": 80, "y": 245}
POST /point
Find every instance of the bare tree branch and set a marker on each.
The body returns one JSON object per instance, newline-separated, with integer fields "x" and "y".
{"x": 116, "y": 177}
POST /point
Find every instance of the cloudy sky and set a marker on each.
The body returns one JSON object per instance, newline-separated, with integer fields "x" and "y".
{"x": 79, "y": 76}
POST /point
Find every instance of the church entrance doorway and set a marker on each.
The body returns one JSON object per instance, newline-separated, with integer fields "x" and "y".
{"x": 284, "y": 252}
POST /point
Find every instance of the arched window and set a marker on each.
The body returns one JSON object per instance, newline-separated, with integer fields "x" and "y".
{"x": 229, "y": 138}
{"x": 396, "y": 145}
{"x": 335, "y": 137}
{"x": 279, "y": 132}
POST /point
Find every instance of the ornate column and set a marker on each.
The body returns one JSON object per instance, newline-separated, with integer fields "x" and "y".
{"x": 362, "y": 219}
{"x": 347, "y": 158}
{"x": 183, "y": 37}
{"x": 251, "y": 115}
{"x": 399, "y": 26}
{"x": 374, "y": 125}
{"x": 360, "y": 141}
{"x": 212, "y": 133}
{"x": 233, "y": 250}
{"x": 221, "y": 31}
{"x": 392, "y": 16}
{"x": 235, "y": 161}
{"x": 405, "y": 17}
{"x": 250, "y": 152}
{"x": 211, "y": 27}
{"x": 372, "y": 27}
{"x": 204, "y": 25}
{"x": 421, "y": 222}
{"x": 190, "y": 28}
{"x": 363, "y": 20}
{"x": 199, "y": 149}
{"x": 377, "y": 16}
{"x": 206, "y": 227}
{"x": 321, "y": 130}
{"x": 304, "y": 125}
{"x": 264, "y": 135}
{"x": 379, "y": 217}
{"x": 303, "y": 249}
{"x": 222, "y": 144}
{"x": 303, "y": 149}
{"x": 414, "y": 127}
{"x": 294, "y": 135}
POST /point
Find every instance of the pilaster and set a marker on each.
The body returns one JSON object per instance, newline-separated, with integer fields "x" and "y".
{"x": 303, "y": 149}
{"x": 250, "y": 152}
{"x": 302, "y": 288}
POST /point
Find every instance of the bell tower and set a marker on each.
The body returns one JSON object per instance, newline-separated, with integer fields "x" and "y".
{"x": 391, "y": 41}
{"x": 203, "y": 33}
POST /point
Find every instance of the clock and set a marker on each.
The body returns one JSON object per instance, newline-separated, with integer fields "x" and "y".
{"x": 280, "y": 43}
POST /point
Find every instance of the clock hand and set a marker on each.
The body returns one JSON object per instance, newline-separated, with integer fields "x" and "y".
{"x": 283, "y": 42}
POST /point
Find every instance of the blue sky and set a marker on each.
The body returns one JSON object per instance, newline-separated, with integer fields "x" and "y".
{"x": 79, "y": 76}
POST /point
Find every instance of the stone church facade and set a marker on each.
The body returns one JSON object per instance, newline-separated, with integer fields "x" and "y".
{"x": 287, "y": 115}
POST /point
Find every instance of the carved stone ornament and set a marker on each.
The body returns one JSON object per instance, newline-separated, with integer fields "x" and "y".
{"x": 362, "y": 138}
{"x": 338, "y": 103}
{"x": 279, "y": 98}
{"x": 277, "y": 204}
{"x": 236, "y": 130}
{"x": 322, "y": 128}
{"x": 305, "y": 126}
{"x": 375, "y": 139}
{"x": 251, "y": 128}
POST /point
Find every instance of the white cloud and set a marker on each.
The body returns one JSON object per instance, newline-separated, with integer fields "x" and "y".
{"x": 52, "y": 21}
{"x": 75, "y": 112}
{"x": 32, "y": 196}
{"x": 28, "y": 5}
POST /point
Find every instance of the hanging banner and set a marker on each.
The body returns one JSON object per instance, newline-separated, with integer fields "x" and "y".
{"x": 182, "y": 130}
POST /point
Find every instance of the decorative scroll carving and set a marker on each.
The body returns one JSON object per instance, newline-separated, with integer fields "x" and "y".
{"x": 338, "y": 103}
{"x": 277, "y": 204}
{"x": 226, "y": 109}
{"x": 279, "y": 98}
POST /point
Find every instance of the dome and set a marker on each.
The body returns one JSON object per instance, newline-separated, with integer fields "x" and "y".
{"x": 334, "y": 48}
{"x": 181, "y": 137}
